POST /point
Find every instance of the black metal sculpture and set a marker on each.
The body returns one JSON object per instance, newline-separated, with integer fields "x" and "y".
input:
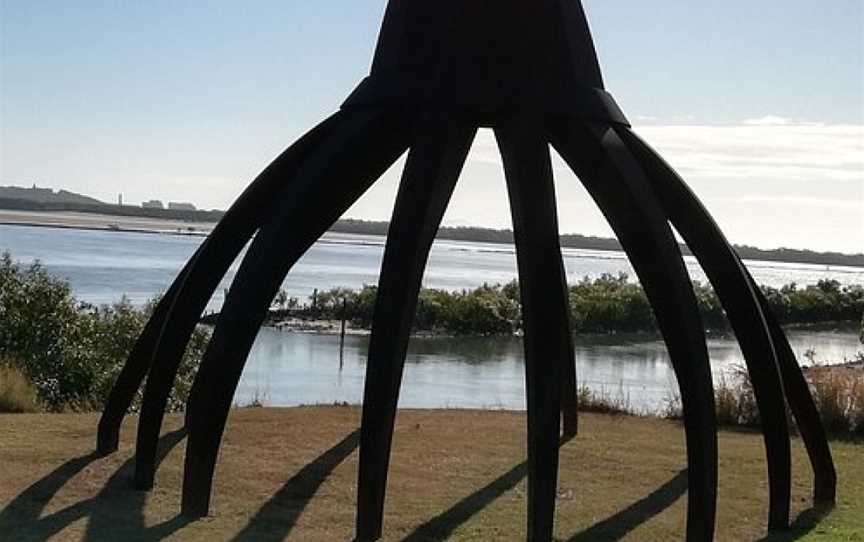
{"x": 442, "y": 69}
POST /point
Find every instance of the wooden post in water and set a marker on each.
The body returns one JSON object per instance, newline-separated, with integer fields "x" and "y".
{"x": 342, "y": 333}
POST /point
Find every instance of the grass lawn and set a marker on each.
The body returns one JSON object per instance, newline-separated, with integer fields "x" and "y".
{"x": 291, "y": 473}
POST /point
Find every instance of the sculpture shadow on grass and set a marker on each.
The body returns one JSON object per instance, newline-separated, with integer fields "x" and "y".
{"x": 442, "y": 526}
{"x": 611, "y": 529}
{"x": 617, "y": 526}
{"x": 276, "y": 519}
{"x": 22, "y": 518}
{"x": 806, "y": 521}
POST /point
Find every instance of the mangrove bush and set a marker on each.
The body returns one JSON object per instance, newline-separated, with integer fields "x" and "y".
{"x": 71, "y": 352}
{"x": 606, "y": 304}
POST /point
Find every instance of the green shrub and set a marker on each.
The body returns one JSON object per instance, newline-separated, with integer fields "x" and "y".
{"x": 822, "y": 302}
{"x": 16, "y": 393}
{"x": 40, "y": 328}
{"x": 433, "y": 307}
{"x": 71, "y": 352}
{"x": 607, "y": 304}
{"x": 484, "y": 310}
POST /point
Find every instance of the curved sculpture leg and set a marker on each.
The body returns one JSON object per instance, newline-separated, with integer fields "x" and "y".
{"x": 545, "y": 315}
{"x": 209, "y": 266}
{"x": 569, "y": 384}
{"x": 135, "y": 369}
{"x": 140, "y": 358}
{"x": 617, "y": 184}
{"x": 725, "y": 272}
{"x": 803, "y": 407}
{"x": 332, "y": 179}
{"x": 436, "y": 158}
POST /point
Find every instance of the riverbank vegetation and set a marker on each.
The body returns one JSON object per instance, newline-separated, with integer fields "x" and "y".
{"x": 68, "y": 352}
{"x": 58, "y": 354}
{"x": 837, "y": 390}
{"x": 607, "y": 304}
{"x": 454, "y": 475}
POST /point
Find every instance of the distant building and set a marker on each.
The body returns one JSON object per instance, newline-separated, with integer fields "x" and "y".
{"x": 120, "y": 200}
{"x": 40, "y": 193}
{"x": 181, "y": 206}
{"x": 153, "y": 204}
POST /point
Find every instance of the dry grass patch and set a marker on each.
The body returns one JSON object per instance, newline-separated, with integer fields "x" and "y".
{"x": 291, "y": 473}
{"x": 16, "y": 393}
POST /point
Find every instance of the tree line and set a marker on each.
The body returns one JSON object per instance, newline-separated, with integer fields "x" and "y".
{"x": 606, "y": 304}
{"x": 462, "y": 233}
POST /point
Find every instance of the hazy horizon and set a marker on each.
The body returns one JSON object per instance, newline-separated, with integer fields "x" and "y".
{"x": 759, "y": 105}
{"x": 348, "y": 217}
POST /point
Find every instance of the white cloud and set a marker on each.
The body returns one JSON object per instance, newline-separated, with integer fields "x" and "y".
{"x": 768, "y": 120}
{"x": 793, "y": 201}
{"x": 763, "y": 152}
{"x": 485, "y": 149}
{"x": 776, "y": 182}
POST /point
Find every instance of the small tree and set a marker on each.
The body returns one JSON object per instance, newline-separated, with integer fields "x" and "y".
{"x": 280, "y": 301}
{"x": 71, "y": 352}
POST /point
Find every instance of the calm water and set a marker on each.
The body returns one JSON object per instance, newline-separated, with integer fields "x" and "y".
{"x": 103, "y": 265}
{"x": 288, "y": 368}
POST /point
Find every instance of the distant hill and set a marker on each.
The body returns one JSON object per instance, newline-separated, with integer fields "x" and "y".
{"x": 111, "y": 209}
{"x": 477, "y": 235}
{"x": 46, "y": 195}
{"x": 573, "y": 240}
{"x": 44, "y": 199}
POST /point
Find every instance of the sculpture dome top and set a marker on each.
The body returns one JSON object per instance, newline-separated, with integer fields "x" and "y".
{"x": 488, "y": 56}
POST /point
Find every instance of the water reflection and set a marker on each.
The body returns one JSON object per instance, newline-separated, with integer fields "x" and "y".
{"x": 287, "y": 368}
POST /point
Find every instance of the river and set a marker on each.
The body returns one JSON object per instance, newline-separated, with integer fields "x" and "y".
{"x": 290, "y": 368}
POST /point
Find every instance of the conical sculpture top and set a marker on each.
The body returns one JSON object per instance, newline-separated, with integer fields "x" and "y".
{"x": 443, "y": 68}
{"x": 488, "y": 57}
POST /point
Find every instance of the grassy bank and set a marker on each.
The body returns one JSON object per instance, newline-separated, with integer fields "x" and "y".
{"x": 455, "y": 475}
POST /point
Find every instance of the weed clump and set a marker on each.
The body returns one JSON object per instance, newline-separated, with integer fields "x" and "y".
{"x": 17, "y": 395}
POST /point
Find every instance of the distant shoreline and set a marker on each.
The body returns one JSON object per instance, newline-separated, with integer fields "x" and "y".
{"x": 100, "y": 228}
{"x": 135, "y": 223}
{"x": 103, "y": 222}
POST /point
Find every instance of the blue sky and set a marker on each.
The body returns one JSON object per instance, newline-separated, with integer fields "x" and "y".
{"x": 759, "y": 103}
